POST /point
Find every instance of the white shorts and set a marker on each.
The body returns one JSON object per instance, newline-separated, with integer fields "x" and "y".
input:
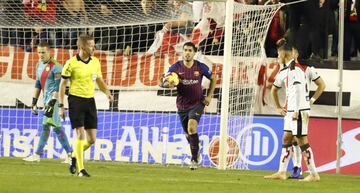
{"x": 297, "y": 127}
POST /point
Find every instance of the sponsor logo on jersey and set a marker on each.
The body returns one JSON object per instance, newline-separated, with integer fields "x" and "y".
{"x": 189, "y": 82}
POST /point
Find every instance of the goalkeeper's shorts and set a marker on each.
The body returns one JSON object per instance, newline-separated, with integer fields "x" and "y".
{"x": 55, "y": 120}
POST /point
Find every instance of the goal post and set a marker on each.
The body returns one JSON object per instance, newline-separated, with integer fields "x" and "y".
{"x": 137, "y": 42}
{"x": 246, "y": 28}
{"x": 226, "y": 84}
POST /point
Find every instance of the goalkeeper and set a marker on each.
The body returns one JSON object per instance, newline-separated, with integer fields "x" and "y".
{"x": 48, "y": 74}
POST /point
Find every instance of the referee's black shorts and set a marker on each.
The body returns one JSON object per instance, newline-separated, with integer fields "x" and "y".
{"x": 82, "y": 112}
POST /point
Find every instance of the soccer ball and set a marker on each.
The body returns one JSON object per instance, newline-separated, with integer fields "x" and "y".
{"x": 171, "y": 77}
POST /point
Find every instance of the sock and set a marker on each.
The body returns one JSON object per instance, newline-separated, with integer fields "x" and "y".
{"x": 187, "y": 138}
{"x": 60, "y": 134}
{"x": 43, "y": 139}
{"x": 194, "y": 146}
{"x": 285, "y": 157}
{"x": 296, "y": 156}
{"x": 309, "y": 158}
{"x": 79, "y": 153}
{"x": 86, "y": 145}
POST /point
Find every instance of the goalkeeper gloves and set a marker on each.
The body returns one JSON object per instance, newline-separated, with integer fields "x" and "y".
{"x": 49, "y": 108}
{"x": 34, "y": 109}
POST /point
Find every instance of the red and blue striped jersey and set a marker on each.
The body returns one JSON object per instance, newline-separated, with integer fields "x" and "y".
{"x": 189, "y": 90}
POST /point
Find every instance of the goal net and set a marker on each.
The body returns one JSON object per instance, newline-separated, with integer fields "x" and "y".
{"x": 136, "y": 42}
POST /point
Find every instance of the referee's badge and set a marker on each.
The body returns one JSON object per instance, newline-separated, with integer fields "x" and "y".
{"x": 94, "y": 77}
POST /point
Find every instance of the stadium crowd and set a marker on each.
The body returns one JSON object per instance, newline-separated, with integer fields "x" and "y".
{"x": 311, "y": 25}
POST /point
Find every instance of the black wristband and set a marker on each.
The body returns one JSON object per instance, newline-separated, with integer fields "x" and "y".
{"x": 52, "y": 102}
{"x": 60, "y": 105}
{"x": 34, "y": 101}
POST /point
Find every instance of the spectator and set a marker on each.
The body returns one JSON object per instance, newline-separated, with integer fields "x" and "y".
{"x": 153, "y": 6}
{"x": 213, "y": 17}
{"x": 213, "y": 44}
{"x": 147, "y": 6}
{"x": 334, "y": 25}
{"x": 275, "y": 33}
{"x": 45, "y": 10}
{"x": 138, "y": 38}
{"x": 105, "y": 37}
{"x": 174, "y": 32}
{"x": 39, "y": 11}
{"x": 351, "y": 27}
{"x": 122, "y": 39}
{"x": 70, "y": 11}
{"x": 308, "y": 27}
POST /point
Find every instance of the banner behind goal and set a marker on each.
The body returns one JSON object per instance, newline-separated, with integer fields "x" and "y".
{"x": 136, "y": 43}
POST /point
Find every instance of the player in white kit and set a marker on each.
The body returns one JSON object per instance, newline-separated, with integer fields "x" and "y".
{"x": 296, "y": 112}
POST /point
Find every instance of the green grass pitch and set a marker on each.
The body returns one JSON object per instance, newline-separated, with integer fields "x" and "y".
{"x": 51, "y": 176}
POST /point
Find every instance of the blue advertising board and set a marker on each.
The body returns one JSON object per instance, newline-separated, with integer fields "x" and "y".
{"x": 145, "y": 137}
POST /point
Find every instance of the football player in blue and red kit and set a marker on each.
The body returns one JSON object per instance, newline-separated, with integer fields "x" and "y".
{"x": 190, "y": 100}
{"x": 48, "y": 75}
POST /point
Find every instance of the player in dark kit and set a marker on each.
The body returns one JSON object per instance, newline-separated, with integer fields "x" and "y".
{"x": 190, "y": 100}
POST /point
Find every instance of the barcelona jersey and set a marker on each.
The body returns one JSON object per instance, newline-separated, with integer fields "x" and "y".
{"x": 189, "y": 90}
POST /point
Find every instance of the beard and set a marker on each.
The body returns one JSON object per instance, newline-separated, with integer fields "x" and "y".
{"x": 187, "y": 58}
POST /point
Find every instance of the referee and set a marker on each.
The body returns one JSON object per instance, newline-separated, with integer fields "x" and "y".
{"x": 82, "y": 70}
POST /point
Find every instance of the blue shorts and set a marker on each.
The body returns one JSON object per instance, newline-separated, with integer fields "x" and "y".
{"x": 193, "y": 112}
